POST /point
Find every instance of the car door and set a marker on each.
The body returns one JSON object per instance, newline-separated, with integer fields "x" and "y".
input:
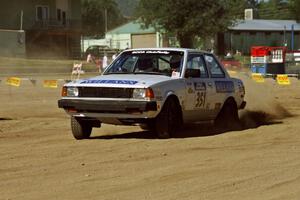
{"x": 199, "y": 89}
{"x": 222, "y": 84}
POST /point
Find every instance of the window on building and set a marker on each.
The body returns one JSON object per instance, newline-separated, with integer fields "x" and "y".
{"x": 268, "y": 33}
{"x": 42, "y": 13}
{"x": 64, "y": 17}
{"x": 58, "y": 14}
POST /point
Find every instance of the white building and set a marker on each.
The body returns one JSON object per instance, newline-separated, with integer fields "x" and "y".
{"x": 132, "y": 35}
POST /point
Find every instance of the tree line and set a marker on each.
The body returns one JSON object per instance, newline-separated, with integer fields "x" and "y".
{"x": 185, "y": 19}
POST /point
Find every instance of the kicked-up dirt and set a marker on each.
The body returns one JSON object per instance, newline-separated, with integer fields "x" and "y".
{"x": 40, "y": 159}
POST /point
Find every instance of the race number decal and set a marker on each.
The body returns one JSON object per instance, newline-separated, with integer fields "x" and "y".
{"x": 200, "y": 92}
{"x": 200, "y": 99}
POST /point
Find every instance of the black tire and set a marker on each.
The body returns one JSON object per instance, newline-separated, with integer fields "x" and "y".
{"x": 148, "y": 126}
{"x": 80, "y": 130}
{"x": 228, "y": 118}
{"x": 169, "y": 120}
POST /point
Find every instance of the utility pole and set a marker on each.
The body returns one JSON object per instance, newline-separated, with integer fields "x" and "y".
{"x": 105, "y": 19}
{"x": 21, "y": 20}
{"x": 292, "y": 40}
{"x": 284, "y": 37}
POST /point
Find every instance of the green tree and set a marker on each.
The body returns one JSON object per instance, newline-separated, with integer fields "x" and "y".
{"x": 274, "y": 9}
{"x": 127, "y": 6}
{"x": 94, "y": 13}
{"x": 252, "y": 3}
{"x": 294, "y": 6}
{"x": 188, "y": 19}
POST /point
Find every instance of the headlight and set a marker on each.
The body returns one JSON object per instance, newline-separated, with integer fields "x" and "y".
{"x": 72, "y": 92}
{"x": 143, "y": 93}
{"x": 139, "y": 93}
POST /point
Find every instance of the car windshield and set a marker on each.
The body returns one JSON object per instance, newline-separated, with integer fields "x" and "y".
{"x": 147, "y": 62}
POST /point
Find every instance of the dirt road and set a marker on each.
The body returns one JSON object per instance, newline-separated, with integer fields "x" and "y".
{"x": 39, "y": 159}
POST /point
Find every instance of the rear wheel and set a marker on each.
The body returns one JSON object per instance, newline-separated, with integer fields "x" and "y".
{"x": 169, "y": 119}
{"x": 80, "y": 129}
{"x": 228, "y": 118}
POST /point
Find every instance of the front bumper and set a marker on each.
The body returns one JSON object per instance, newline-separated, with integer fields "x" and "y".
{"x": 107, "y": 106}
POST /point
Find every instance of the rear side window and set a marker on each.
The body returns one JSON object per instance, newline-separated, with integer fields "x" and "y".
{"x": 214, "y": 67}
{"x": 196, "y": 62}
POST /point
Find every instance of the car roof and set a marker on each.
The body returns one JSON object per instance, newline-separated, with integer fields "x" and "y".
{"x": 168, "y": 49}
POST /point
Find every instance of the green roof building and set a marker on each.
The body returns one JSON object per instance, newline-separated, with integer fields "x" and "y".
{"x": 134, "y": 35}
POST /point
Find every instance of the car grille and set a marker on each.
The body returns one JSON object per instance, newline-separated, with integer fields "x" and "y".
{"x": 104, "y": 92}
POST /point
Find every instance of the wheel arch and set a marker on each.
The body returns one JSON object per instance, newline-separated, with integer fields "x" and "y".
{"x": 162, "y": 121}
{"x": 171, "y": 95}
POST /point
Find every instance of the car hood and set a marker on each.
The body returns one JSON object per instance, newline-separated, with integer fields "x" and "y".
{"x": 121, "y": 80}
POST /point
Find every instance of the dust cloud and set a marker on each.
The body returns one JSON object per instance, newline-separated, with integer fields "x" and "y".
{"x": 262, "y": 107}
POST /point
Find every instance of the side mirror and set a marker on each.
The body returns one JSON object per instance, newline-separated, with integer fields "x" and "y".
{"x": 193, "y": 73}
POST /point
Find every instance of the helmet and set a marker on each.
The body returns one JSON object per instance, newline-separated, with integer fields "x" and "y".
{"x": 175, "y": 62}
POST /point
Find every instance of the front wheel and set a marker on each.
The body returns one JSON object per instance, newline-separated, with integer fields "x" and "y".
{"x": 80, "y": 129}
{"x": 169, "y": 119}
{"x": 148, "y": 126}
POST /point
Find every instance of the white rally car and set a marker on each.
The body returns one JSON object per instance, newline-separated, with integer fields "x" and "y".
{"x": 159, "y": 89}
